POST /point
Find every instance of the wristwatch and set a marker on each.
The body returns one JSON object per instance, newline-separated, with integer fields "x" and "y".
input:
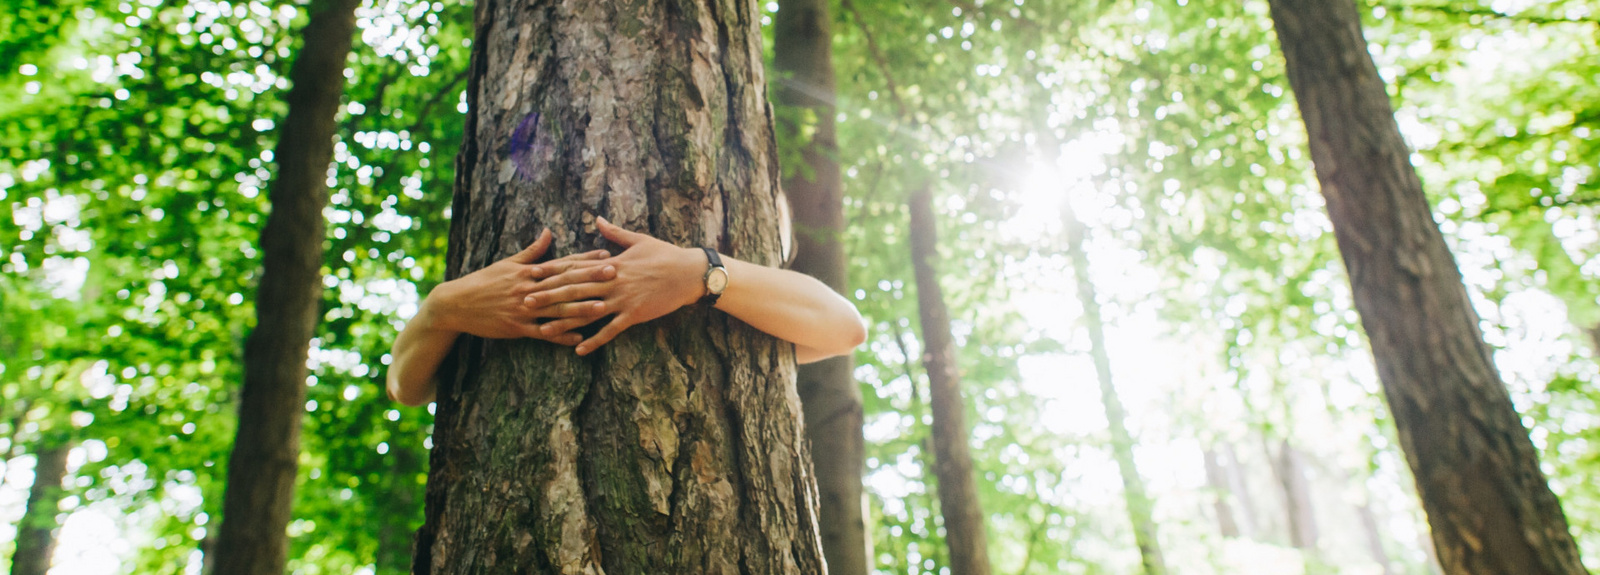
{"x": 716, "y": 277}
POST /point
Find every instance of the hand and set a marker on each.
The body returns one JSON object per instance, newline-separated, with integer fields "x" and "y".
{"x": 652, "y": 279}
{"x": 499, "y": 301}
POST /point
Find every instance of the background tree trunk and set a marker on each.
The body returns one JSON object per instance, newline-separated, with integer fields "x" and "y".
{"x": 1140, "y": 507}
{"x": 1489, "y": 506}
{"x": 36, "y": 534}
{"x": 803, "y": 61}
{"x": 1239, "y": 480}
{"x": 261, "y": 471}
{"x": 952, "y": 457}
{"x": 1217, "y": 481}
{"x": 1373, "y": 534}
{"x": 1289, "y": 468}
{"x": 677, "y": 448}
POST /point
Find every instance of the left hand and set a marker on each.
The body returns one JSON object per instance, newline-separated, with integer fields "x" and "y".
{"x": 653, "y": 278}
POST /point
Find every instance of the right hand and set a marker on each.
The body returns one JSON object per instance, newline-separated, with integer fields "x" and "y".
{"x": 495, "y": 302}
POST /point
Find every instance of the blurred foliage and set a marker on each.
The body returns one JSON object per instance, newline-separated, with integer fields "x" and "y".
{"x": 135, "y": 144}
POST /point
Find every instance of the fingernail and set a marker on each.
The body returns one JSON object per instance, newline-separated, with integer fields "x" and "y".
{"x": 599, "y": 306}
{"x": 546, "y": 329}
{"x": 583, "y": 350}
{"x": 538, "y": 271}
{"x": 530, "y": 300}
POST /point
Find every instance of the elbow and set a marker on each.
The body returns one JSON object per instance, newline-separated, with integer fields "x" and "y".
{"x": 408, "y": 397}
{"x": 856, "y": 336}
{"x": 853, "y": 334}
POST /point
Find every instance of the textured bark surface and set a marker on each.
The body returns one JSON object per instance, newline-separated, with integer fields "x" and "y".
{"x": 803, "y": 62}
{"x": 261, "y": 470}
{"x": 1140, "y": 507}
{"x": 36, "y": 533}
{"x": 952, "y": 458}
{"x": 1477, "y": 473}
{"x": 1290, "y": 468}
{"x": 678, "y": 447}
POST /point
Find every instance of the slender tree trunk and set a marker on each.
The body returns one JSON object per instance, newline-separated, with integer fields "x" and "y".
{"x": 1374, "y": 535}
{"x": 952, "y": 457}
{"x": 677, "y": 448}
{"x": 1240, "y": 483}
{"x": 1289, "y": 467}
{"x": 1217, "y": 480}
{"x": 1489, "y": 505}
{"x": 803, "y": 61}
{"x": 36, "y": 534}
{"x": 1140, "y": 507}
{"x": 261, "y": 471}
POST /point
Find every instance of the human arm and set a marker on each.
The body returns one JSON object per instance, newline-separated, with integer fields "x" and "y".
{"x": 654, "y": 278}
{"x": 493, "y": 303}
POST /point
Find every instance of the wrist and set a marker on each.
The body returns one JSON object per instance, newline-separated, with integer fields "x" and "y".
{"x": 694, "y": 275}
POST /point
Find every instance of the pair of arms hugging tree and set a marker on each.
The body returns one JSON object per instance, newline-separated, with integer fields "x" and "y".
{"x": 515, "y": 298}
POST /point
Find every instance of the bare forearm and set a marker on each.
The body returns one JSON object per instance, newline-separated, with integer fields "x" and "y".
{"x": 418, "y": 351}
{"x": 794, "y": 307}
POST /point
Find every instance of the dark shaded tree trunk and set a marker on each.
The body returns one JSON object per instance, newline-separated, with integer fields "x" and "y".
{"x": 1140, "y": 507}
{"x": 803, "y": 61}
{"x": 262, "y": 469}
{"x": 1217, "y": 481}
{"x": 1477, "y": 473}
{"x": 677, "y": 448}
{"x": 36, "y": 534}
{"x": 952, "y": 458}
{"x": 1289, "y": 468}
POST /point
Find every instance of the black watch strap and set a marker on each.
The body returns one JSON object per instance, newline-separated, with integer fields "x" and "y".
{"x": 713, "y": 262}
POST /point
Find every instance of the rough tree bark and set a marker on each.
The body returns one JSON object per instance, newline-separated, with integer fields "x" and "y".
{"x": 261, "y": 471}
{"x": 1140, "y": 507}
{"x": 1477, "y": 473}
{"x": 952, "y": 458}
{"x": 36, "y": 533}
{"x": 803, "y": 61}
{"x": 678, "y": 447}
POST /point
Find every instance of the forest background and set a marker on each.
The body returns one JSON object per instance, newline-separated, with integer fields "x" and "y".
{"x": 136, "y": 144}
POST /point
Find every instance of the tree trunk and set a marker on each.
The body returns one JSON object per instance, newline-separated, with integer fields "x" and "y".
{"x": 1289, "y": 467}
{"x": 1489, "y": 506}
{"x": 952, "y": 457}
{"x": 803, "y": 60}
{"x": 1217, "y": 480}
{"x": 1240, "y": 483}
{"x": 261, "y": 471}
{"x": 1374, "y": 535}
{"x": 36, "y": 534}
{"x": 678, "y": 447}
{"x": 1140, "y": 507}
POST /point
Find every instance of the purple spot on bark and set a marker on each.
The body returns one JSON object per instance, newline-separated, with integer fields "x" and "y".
{"x": 527, "y": 149}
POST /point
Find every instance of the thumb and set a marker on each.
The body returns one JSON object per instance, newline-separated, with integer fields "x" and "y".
{"x": 619, "y": 236}
{"x": 534, "y": 250}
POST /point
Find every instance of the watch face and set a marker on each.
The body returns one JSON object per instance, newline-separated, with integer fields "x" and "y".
{"x": 716, "y": 280}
